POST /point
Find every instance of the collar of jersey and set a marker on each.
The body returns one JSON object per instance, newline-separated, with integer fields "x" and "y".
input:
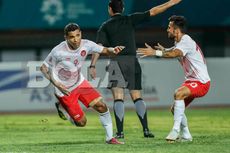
{"x": 70, "y": 50}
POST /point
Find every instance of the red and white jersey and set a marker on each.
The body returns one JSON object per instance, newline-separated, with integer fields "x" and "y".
{"x": 65, "y": 64}
{"x": 193, "y": 61}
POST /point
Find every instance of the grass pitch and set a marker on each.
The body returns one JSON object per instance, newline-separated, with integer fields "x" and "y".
{"x": 47, "y": 133}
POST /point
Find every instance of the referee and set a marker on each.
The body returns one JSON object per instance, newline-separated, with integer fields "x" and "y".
{"x": 124, "y": 69}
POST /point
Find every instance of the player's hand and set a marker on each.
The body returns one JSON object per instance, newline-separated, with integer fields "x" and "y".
{"x": 148, "y": 51}
{"x": 92, "y": 72}
{"x": 159, "y": 47}
{"x": 62, "y": 88}
{"x": 175, "y": 1}
{"x": 118, "y": 49}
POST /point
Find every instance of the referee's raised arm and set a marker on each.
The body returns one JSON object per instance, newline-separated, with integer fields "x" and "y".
{"x": 161, "y": 8}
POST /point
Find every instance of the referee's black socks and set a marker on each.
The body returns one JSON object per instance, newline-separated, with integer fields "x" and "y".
{"x": 119, "y": 111}
{"x": 141, "y": 112}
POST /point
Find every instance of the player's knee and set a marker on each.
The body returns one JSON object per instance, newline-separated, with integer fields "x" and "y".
{"x": 135, "y": 94}
{"x": 179, "y": 95}
{"x": 100, "y": 107}
{"x": 81, "y": 123}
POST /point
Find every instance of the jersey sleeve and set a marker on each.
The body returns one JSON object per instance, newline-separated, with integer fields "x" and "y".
{"x": 183, "y": 46}
{"x": 50, "y": 60}
{"x": 93, "y": 47}
{"x": 137, "y": 18}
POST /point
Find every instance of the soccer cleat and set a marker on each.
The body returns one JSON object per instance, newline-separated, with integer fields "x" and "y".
{"x": 186, "y": 139}
{"x": 114, "y": 141}
{"x": 172, "y": 136}
{"x": 185, "y": 135}
{"x": 119, "y": 135}
{"x": 148, "y": 134}
{"x": 60, "y": 113}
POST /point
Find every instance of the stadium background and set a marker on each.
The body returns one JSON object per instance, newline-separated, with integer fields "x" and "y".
{"x": 29, "y": 29}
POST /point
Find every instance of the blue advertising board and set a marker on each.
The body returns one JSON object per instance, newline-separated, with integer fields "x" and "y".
{"x": 54, "y": 14}
{"x": 46, "y": 14}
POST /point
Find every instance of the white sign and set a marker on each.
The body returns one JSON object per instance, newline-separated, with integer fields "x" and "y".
{"x": 22, "y": 87}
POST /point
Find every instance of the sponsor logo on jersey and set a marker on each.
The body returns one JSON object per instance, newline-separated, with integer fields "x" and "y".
{"x": 83, "y": 53}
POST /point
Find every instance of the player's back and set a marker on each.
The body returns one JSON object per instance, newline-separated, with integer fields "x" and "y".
{"x": 120, "y": 31}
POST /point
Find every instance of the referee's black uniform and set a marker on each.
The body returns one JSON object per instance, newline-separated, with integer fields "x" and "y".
{"x": 119, "y": 30}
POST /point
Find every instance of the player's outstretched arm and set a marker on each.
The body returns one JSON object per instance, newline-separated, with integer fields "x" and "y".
{"x": 112, "y": 51}
{"x": 149, "y": 51}
{"x": 163, "y": 7}
{"x": 95, "y": 56}
{"x": 160, "y": 47}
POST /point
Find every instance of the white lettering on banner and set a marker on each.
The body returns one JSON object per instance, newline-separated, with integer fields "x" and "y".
{"x": 36, "y": 78}
{"x": 41, "y": 96}
{"x": 75, "y": 9}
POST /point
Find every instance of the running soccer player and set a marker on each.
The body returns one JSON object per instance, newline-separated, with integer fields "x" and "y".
{"x": 197, "y": 80}
{"x": 63, "y": 68}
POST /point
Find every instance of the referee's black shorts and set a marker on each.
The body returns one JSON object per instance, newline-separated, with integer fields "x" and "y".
{"x": 125, "y": 72}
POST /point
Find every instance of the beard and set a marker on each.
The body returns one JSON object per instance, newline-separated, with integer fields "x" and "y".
{"x": 171, "y": 37}
{"x": 73, "y": 45}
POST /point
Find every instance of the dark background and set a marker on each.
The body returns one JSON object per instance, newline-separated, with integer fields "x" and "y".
{"x": 23, "y": 28}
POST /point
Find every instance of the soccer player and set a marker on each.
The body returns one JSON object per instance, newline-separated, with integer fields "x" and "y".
{"x": 63, "y": 68}
{"x": 197, "y": 80}
{"x": 124, "y": 70}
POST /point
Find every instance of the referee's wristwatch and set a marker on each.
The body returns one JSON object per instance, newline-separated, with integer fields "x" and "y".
{"x": 92, "y": 66}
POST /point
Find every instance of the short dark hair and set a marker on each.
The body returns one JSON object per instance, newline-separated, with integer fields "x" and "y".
{"x": 179, "y": 22}
{"x": 117, "y": 6}
{"x": 71, "y": 27}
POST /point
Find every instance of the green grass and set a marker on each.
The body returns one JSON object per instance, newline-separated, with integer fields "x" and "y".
{"x": 46, "y": 133}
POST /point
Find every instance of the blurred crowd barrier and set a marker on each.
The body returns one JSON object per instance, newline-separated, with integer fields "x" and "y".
{"x": 22, "y": 87}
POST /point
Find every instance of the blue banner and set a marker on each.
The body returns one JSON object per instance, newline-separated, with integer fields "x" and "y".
{"x": 53, "y": 14}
